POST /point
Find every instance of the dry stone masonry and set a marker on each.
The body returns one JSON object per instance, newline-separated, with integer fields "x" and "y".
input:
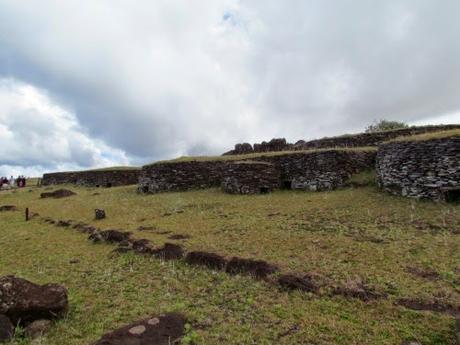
{"x": 315, "y": 170}
{"x": 427, "y": 169}
{"x": 354, "y": 140}
{"x": 94, "y": 178}
{"x": 250, "y": 178}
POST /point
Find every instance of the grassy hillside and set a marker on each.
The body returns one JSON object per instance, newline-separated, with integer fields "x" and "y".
{"x": 429, "y": 136}
{"x": 350, "y": 234}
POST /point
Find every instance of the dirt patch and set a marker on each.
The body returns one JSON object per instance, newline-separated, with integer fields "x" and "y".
{"x": 179, "y": 237}
{"x": 296, "y": 282}
{"x": 164, "y": 329}
{"x": 210, "y": 260}
{"x": 5, "y": 208}
{"x": 358, "y": 289}
{"x": 435, "y": 305}
{"x": 426, "y": 273}
{"x": 60, "y": 193}
{"x": 169, "y": 251}
{"x": 257, "y": 268}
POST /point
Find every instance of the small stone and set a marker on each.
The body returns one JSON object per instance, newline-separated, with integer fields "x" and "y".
{"x": 100, "y": 213}
{"x": 6, "y": 329}
{"x": 137, "y": 330}
{"x": 154, "y": 321}
{"x": 37, "y": 328}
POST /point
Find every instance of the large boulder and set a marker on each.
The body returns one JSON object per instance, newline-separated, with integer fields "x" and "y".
{"x": 23, "y": 301}
{"x": 165, "y": 329}
{"x": 6, "y": 329}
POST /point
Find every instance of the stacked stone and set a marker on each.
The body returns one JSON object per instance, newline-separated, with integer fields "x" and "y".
{"x": 94, "y": 178}
{"x": 354, "y": 140}
{"x": 420, "y": 169}
{"x": 181, "y": 176}
{"x": 249, "y": 177}
{"x": 320, "y": 170}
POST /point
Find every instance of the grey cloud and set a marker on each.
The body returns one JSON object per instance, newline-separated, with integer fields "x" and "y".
{"x": 164, "y": 78}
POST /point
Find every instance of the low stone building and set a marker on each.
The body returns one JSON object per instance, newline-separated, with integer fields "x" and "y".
{"x": 305, "y": 170}
{"x": 249, "y": 177}
{"x": 110, "y": 177}
{"x": 181, "y": 176}
{"x": 422, "y": 169}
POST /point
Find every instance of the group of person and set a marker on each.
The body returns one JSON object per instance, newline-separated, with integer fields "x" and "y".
{"x": 11, "y": 182}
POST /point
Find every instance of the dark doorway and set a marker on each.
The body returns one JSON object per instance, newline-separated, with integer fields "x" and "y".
{"x": 264, "y": 190}
{"x": 287, "y": 184}
{"x": 109, "y": 185}
{"x": 145, "y": 189}
{"x": 451, "y": 195}
{"x": 97, "y": 186}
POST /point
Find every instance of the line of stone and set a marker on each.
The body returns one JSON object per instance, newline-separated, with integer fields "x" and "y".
{"x": 259, "y": 269}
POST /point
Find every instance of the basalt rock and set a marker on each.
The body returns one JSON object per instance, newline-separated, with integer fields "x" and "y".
{"x": 60, "y": 193}
{"x": 110, "y": 236}
{"x": 295, "y": 282}
{"x": 427, "y": 169}
{"x": 210, "y": 260}
{"x": 167, "y": 329}
{"x": 169, "y": 251}
{"x": 24, "y": 302}
{"x": 99, "y": 214}
{"x": 37, "y": 328}
{"x": 6, "y": 329}
{"x": 257, "y": 268}
{"x": 8, "y": 208}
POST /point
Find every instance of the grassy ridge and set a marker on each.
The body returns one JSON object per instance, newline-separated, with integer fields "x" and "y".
{"x": 260, "y": 154}
{"x": 428, "y": 136}
{"x": 340, "y": 235}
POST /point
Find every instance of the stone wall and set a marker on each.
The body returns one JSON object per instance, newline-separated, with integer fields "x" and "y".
{"x": 320, "y": 170}
{"x": 250, "y": 178}
{"x": 181, "y": 176}
{"x": 94, "y": 178}
{"x": 421, "y": 169}
{"x": 354, "y": 140}
{"x": 316, "y": 170}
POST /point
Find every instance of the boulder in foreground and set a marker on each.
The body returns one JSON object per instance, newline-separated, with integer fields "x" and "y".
{"x": 24, "y": 302}
{"x": 166, "y": 329}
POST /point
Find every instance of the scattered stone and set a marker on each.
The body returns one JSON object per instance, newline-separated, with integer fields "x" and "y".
{"x": 110, "y": 236}
{"x": 37, "y": 328}
{"x": 294, "y": 282}
{"x": 23, "y": 301}
{"x": 64, "y": 223}
{"x": 6, "y": 329}
{"x": 435, "y": 305}
{"x": 165, "y": 329}
{"x": 60, "y": 193}
{"x": 5, "y": 208}
{"x": 358, "y": 289}
{"x": 169, "y": 251}
{"x": 210, "y": 260}
{"x": 99, "y": 214}
{"x": 257, "y": 268}
{"x": 74, "y": 261}
{"x": 179, "y": 237}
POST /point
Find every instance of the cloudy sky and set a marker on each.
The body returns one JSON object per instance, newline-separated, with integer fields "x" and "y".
{"x": 93, "y": 83}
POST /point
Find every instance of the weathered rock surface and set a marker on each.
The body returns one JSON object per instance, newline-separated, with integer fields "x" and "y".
{"x": 421, "y": 169}
{"x": 37, "y": 328}
{"x": 8, "y": 208}
{"x": 210, "y": 260}
{"x": 166, "y": 329}
{"x": 353, "y": 140}
{"x": 6, "y": 329}
{"x": 257, "y": 268}
{"x": 60, "y": 193}
{"x": 248, "y": 177}
{"x": 23, "y": 301}
{"x": 296, "y": 282}
{"x": 99, "y": 214}
{"x": 94, "y": 178}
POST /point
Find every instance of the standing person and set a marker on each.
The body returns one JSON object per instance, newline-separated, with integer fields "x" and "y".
{"x": 11, "y": 182}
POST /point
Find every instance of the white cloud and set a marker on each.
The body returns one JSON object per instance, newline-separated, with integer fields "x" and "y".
{"x": 37, "y": 134}
{"x": 162, "y": 78}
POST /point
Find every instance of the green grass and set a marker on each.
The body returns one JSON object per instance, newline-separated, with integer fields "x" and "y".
{"x": 116, "y": 168}
{"x": 261, "y": 154}
{"x": 428, "y": 136}
{"x": 342, "y": 234}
